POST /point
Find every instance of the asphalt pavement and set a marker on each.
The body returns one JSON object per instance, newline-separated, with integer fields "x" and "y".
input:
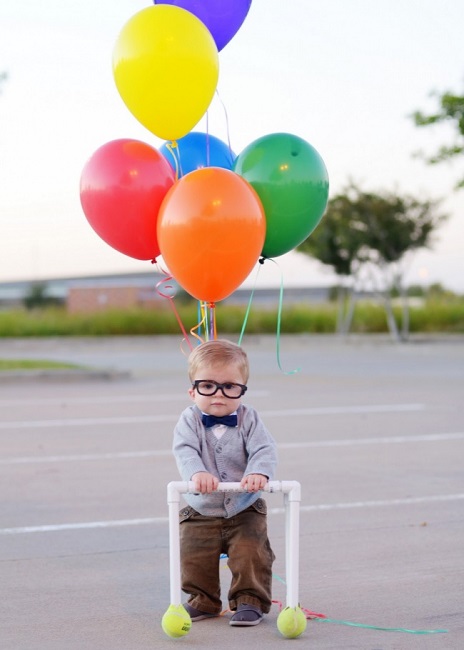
{"x": 373, "y": 430}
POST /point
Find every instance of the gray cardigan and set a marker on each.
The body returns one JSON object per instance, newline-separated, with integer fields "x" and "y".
{"x": 248, "y": 448}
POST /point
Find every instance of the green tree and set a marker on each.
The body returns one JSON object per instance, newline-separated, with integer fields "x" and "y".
{"x": 450, "y": 110}
{"x": 3, "y": 78}
{"x": 38, "y": 298}
{"x": 367, "y": 239}
{"x": 337, "y": 242}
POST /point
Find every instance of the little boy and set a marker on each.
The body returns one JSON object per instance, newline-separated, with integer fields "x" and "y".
{"x": 219, "y": 439}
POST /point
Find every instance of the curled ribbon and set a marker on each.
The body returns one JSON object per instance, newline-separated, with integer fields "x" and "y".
{"x": 169, "y": 291}
{"x": 279, "y": 316}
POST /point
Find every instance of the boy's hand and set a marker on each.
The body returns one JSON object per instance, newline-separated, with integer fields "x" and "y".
{"x": 204, "y": 482}
{"x": 254, "y": 482}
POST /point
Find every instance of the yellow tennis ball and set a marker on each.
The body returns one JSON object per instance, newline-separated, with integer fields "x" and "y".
{"x": 291, "y": 622}
{"x": 176, "y": 622}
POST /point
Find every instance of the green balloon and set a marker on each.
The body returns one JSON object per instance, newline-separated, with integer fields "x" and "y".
{"x": 291, "y": 180}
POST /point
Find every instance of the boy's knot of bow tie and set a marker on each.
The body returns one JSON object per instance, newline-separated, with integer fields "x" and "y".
{"x": 211, "y": 420}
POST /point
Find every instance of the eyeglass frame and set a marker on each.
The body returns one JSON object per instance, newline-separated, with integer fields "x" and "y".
{"x": 219, "y": 387}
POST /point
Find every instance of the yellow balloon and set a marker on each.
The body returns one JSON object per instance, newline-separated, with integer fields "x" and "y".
{"x": 166, "y": 69}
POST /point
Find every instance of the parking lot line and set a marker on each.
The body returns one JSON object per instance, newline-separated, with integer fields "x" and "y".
{"x": 154, "y": 453}
{"x": 147, "y": 419}
{"x": 381, "y": 503}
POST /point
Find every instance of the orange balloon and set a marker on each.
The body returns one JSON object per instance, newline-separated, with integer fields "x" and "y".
{"x": 211, "y": 230}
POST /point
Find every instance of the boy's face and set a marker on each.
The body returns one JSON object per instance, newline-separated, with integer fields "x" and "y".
{"x": 217, "y": 404}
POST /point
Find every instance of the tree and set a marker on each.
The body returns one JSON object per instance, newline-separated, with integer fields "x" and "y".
{"x": 450, "y": 110}
{"x": 336, "y": 242}
{"x": 367, "y": 238}
{"x": 37, "y": 297}
{"x": 3, "y": 77}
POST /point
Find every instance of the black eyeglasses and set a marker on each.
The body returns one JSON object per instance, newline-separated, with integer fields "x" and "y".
{"x": 208, "y": 387}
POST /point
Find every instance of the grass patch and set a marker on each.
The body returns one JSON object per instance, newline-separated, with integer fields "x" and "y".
{"x": 34, "y": 364}
{"x": 433, "y": 316}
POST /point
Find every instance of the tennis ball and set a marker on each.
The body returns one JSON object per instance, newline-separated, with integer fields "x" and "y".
{"x": 176, "y": 621}
{"x": 291, "y": 622}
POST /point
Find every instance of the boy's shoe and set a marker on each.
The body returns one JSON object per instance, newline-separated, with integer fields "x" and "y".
{"x": 196, "y": 615}
{"x": 246, "y": 615}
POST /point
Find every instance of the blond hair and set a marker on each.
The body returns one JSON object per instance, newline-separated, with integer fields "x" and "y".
{"x": 218, "y": 352}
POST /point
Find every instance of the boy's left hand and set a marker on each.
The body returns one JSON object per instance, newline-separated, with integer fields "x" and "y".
{"x": 253, "y": 482}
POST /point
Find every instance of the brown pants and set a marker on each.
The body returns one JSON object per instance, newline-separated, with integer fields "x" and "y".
{"x": 243, "y": 538}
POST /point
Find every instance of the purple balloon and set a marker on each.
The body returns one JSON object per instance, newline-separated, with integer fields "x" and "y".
{"x": 223, "y": 18}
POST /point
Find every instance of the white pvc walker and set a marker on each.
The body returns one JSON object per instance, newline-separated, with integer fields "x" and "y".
{"x": 291, "y": 491}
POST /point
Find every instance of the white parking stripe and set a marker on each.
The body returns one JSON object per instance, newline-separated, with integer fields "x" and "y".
{"x": 344, "y": 410}
{"x": 109, "y": 399}
{"x": 54, "y": 528}
{"x": 147, "y": 419}
{"x": 381, "y": 440}
{"x": 25, "y": 460}
{"x": 381, "y": 503}
{"x": 85, "y": 422}
{"x": 154, "y": 453}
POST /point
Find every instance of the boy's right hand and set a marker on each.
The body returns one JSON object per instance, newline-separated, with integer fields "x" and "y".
{"x": 204, "y": 482}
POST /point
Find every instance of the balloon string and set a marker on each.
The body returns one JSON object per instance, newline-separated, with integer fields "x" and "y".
{"x": 323, "y": 619}
{"x": 171, "y": 302}
{"x": 206, "y": 320}
{"x": 377, "y": 627}
{"x": 212, "y": 321}
{"x": 279, "y": 321}
{"x": 200, "y": 317}
{"x": 227, "y": 124}
{"x": 279, "y": 318}
{"x": 248, "y": 309}
{"x": 176, "y": 157}
{"x": 307, "y": 612}
{"x": 201, "y": 323}
{"x": 207, "y": 140}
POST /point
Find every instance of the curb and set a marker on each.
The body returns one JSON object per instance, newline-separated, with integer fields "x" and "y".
{"x": 66, "y": 375}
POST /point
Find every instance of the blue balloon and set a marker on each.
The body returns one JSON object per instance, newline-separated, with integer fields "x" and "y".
{"x": 196, "y": 150}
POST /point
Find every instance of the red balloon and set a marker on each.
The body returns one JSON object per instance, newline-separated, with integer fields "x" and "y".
{"x": 211, "y": 230}
{"x": 121, "y": 189}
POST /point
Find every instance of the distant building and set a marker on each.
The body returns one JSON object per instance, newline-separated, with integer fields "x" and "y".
{"x": 101, "y": 291}
{"x": 146, "y": 290}
{"x": 114, "y": 292}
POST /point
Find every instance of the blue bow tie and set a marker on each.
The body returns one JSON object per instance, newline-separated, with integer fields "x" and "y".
{"x": 211, "y": 420}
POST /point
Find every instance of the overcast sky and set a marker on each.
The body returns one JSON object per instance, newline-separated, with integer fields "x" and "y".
{"x": 345, "y": 75}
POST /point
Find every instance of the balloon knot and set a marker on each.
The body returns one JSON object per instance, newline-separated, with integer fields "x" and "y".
{"x": 261, "y": 260}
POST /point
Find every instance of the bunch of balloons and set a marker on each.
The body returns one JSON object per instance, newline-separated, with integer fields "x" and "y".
{"x": 209, "y": 213}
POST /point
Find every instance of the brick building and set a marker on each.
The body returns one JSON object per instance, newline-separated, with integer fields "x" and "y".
{"x": 146, "y": 290}
{"x": 94, "y": 296}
